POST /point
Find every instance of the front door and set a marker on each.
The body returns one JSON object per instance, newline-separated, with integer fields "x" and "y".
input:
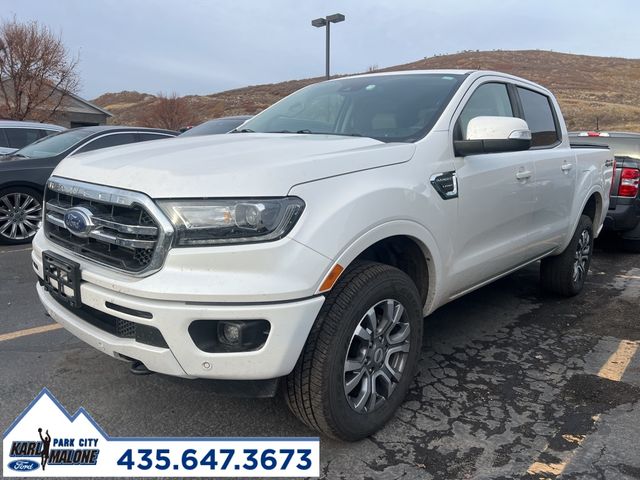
{"x": 496, "y": 194}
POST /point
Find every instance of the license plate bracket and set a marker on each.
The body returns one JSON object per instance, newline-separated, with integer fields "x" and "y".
{"x": 62, "y": 278}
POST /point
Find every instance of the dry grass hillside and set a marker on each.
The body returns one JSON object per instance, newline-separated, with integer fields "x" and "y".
{"x": 587, "y": 87}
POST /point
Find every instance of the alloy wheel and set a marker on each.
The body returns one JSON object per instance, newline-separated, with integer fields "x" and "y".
{"x": 377, "y": 356}
{"x": 19, "y": 215}
{"x": 581, "y": 257}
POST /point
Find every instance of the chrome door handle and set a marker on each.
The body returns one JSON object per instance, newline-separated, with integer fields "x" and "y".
{"x": 566, "y": 167}
{"x": 523, "y": 175}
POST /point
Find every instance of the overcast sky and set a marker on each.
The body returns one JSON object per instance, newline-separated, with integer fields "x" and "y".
{"x": 206, "y": 46}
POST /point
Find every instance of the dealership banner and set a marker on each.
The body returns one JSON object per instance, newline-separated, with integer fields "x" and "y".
{"x": 46, "y": 441}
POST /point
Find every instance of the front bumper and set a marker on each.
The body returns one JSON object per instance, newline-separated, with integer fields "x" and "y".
{"x": 290, "y": 320}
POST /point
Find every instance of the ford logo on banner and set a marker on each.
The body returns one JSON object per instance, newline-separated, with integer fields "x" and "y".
{"x": 23, "y": 465}
{"x": 78, "y": 221}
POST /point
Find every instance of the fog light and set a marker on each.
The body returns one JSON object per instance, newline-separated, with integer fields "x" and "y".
{"x": 231, "y": 333}
{"x": 217, "y": 336}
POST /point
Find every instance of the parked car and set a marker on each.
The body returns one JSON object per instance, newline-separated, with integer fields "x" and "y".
{"x": 623, "y": 216}
{"x": 216, "y": 126}
{"x": 311, "y": 256}
{"x": 15, "y": 135}
{"x": 23, "y": 174}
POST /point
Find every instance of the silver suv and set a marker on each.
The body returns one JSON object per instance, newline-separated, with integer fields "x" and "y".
{"x": 15, "y": 134}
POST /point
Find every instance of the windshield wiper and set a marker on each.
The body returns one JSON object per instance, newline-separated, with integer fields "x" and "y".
{"x": 338, "y": 134}
{"x": 309, "y": 132}
{"x": 244, "y": 130}
{"x": 305, "y": 130}
{"x": 19, "y": 155}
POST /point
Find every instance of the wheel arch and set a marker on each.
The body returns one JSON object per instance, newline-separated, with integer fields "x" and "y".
{"x": 593, "y": 206}
{"x": 405, "y": 245}
{"x": 25, "y": 184}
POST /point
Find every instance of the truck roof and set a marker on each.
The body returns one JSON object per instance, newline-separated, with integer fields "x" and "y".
{"x": 471, "y": 73}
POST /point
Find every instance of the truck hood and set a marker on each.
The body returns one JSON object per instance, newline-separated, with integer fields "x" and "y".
{"x": 232, "y": 165}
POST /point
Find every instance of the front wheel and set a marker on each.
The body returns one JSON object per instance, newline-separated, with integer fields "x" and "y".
{"x": 565, "y": 274}
{"x": 20, "y": 212}
{"x": 361, "y": 354}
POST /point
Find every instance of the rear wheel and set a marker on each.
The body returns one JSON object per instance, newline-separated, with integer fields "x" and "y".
{"x": 361, "y": 354}
{"x": 565, "y": 274}
{"x": 20, "y": 212}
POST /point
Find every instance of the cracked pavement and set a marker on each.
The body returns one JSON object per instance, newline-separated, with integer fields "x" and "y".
{"x": 508, "y": 379}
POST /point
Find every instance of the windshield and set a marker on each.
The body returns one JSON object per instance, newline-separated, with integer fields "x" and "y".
{"x": 53, "y": 144}
{"x": 389, "y": 108}
{"x": 214, "y": 127}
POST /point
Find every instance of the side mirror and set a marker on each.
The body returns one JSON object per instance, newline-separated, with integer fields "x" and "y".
{"x": 494, "y": 135}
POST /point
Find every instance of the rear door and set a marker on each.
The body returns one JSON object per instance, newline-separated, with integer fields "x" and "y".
{"x": 496, "y": 192}
{"x": 556, "y": 172}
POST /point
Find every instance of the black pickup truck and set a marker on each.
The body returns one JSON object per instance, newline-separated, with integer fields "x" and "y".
{"x": 623, "y": 216}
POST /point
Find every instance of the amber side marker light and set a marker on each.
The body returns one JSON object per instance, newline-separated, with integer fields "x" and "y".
{"x": 331, "y": 278}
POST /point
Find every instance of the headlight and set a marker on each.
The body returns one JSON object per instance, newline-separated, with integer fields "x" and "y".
{"x": 215, "y": 222}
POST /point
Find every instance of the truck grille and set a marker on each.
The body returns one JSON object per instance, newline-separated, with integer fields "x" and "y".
{"x": 128, "y": 232}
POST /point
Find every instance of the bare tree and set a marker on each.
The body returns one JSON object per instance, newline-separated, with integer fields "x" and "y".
{"x": 169, "y": 111}
{"x": 37, "y": 72}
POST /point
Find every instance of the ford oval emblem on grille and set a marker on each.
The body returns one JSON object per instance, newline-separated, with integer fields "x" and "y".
{"x": 78, "y": 221}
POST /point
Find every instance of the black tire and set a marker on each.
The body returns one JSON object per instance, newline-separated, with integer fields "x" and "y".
{"x": 316, "y": 389}
{"x": 565, "y": 274}
{"x": 7, "y": 237}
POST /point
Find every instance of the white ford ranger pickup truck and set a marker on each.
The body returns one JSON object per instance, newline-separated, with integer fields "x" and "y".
{"x": 305, "y": 247}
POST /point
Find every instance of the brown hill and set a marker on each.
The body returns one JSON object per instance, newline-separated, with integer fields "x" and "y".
{"x": 587, "y": 88}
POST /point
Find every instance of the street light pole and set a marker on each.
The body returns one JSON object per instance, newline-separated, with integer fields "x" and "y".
{"x": 327, "y": 50}
{"x": 326, "y": 22}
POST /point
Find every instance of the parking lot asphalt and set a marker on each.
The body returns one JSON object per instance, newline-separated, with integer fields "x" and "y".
{"x": 512, "y": 383}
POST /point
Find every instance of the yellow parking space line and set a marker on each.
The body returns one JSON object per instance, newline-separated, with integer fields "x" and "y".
{"x": 613, "y": 369}
{"x": 619, "y": 361}
{"x": 539, "y": 468}
{"x": 553, "y": 470}
{"x": 30, "y": 331}
{"x": 573, "y": 438}
{"x": 632, "y": 277}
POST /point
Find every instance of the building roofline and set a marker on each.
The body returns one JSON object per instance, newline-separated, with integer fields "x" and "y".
{"x": 92, "y": 105}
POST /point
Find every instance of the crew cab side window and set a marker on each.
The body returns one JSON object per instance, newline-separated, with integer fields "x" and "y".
{"x": 489, "y": 99}
{"x": 111, "y": 140}
{"x": 539, "y": 116}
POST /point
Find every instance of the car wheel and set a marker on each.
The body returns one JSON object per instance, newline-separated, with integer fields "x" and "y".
{"x": 565, "y": 274}
{"x": 20, "y": 212}
{"x": 361, "y": 354}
